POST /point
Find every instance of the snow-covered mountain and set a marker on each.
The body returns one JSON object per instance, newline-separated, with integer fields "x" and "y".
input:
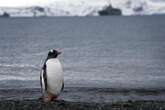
{"x": 87, "y": 8}
{"x": 140, "y": 7}
{"x": 59, "y": 8}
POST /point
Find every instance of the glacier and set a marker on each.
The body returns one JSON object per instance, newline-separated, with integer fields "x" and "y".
{"x": 86, "y": 8}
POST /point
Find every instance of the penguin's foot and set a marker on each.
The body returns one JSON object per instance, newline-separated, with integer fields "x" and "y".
{"x": 47, "y": 99}
{"x": 50, "y": 98}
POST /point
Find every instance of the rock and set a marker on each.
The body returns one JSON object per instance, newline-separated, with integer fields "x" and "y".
{"x": 38, "y": 11}
{"x": 38, "y": 105}
{"x": 66, "y": 105}
{"x": 109, "y": 10}
{"x": 5, "y": 14}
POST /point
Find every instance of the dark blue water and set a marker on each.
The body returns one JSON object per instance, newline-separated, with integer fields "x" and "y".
{"x": 113, "y": 52}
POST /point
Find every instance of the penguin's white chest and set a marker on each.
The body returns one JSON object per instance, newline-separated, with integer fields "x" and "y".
{"x": 54, "y": 76}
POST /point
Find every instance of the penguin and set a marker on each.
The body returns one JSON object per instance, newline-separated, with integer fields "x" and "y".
{"x": 51, "y": 77}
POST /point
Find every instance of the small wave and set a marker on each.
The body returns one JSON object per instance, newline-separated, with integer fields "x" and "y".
{"x": 10, "y": 78}
{"x": 17, "y": 65}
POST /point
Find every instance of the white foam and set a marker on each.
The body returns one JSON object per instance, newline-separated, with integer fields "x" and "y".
{"x": 18, "y": 78}
{"x": 17, "y": 65}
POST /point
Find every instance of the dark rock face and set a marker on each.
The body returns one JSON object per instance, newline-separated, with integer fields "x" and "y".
{"x": 138, "y": 9}
{"x": 110, "y": 11}
{"x": 37, "y": 9}
{"x": 41, "y": 9}
{"x": 5, "y": 14}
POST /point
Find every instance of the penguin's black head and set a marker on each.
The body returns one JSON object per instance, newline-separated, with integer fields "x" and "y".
{"x": 53, "y": 53}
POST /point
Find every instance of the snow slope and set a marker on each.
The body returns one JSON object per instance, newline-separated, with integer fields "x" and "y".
{"x": 87, "y": 8}
{"x": 140, "y": 7}
{"x": 59, "y": 8}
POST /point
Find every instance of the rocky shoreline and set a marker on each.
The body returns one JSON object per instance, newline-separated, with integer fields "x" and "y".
{"x": 84, "y": 98}
{"x": 67, "y": 105}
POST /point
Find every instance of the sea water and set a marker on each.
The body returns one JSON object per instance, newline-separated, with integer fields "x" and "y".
{"x": 111, "y": 52}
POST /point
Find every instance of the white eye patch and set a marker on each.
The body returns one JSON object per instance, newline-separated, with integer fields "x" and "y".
{"x": 51, "y": 50}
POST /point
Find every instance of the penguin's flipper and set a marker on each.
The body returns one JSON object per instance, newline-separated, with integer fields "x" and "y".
{"x": 42, "y": 83}
{"x": 62, "y": 86}
{"x": 43, "y": 79}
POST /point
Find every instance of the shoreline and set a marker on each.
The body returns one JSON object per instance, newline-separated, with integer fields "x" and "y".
{"x": 84, "y": 98}
{"x": 88, "y": 94}
{"x": 67, "y": 105}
